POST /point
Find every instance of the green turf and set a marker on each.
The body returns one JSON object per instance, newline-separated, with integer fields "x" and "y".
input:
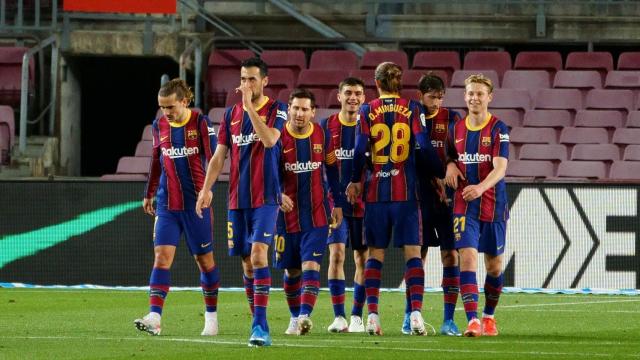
{"x": 96, "y": 324}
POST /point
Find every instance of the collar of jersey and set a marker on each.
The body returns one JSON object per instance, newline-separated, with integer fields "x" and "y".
{"x": 389, "y": 96}
{"x": 433, "y": 115}
{"x": 479, "y": 127}
{"x": 182, "y": 122}
{"x": 303, "y": 136}
{"x": 345, "y": 122}
{"x": 266, "y": 100}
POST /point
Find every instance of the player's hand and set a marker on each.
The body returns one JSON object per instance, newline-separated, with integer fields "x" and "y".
{"x": 286, "y": 204}
{"x": 472, "y": 192}
{"x": 204, "y": 201}
{"x": 247, "y": 95}
{"x": 440, "y": 190}
{"x": 147, "y": 206}
{"x": 336, "y": 217}
{"x": 353, "y": 192}
{"x": 452, "y": 175}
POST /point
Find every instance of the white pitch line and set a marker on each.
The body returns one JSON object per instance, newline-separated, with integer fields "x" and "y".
{"x": 570, "y": 303}
{"x": 332, "y": 346}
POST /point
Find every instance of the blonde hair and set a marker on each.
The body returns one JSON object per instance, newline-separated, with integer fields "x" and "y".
{"x": 479, "y": 79}
{"x": 176, "y": 86}
{"x": 390, "y": 77}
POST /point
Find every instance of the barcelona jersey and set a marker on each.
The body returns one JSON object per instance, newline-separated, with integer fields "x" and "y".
{"x": 303, "y": 178}
{"x": 253, "y": 176}
{"x": 181, "y": 151}
{"x": 342, "y": 137}
{"x": 474, "y": 149}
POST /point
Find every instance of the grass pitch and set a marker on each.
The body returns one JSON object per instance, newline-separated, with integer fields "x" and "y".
{"x": 98, "y": 324}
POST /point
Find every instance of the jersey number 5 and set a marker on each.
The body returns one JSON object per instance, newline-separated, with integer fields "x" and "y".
{"x": 398, "y": 136}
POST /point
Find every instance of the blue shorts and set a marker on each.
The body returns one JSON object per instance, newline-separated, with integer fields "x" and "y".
{"x": 397, "y": 218}
{"x": 291, "y": 250}
{"x": 169, "y": 225}
{"x": 350, "y": 233}
{"x": 246, "y": 226}
{"x": 487, "y": 237}
{"x": 437, "y": 226}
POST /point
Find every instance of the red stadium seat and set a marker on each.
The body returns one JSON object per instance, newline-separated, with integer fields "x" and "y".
{"x": 144, "y": 148}
{"x": 631, "y": 153}
{"x": 11, "y": 75}
{"x": 626, "y": 136}
{"x": 551, "y": 152}
{"x": 216, "y": 115}
{"x": 366, "y": 75}
{"x": 319, "y": 94}
{"x": 558, "y": 99}
{"x": 511, "y": 117}
{"x": 371, "y": 59}
{"x": 610, "y": 99}
{"x": 633, "y": 119}
{"x": 124, "y": 177}
{"x": 332, "y": 100}
{"x": 551, "y": 61}
{"x": 288, "y": 59}
{"x": 133, "y": 165}
{"x": 573, "y": 135}
{"x": 459, "y": 76}
{"x": 523, "y": 135}
{"x": 7, "y": 118}
{"x": 281, "y": 79}
{"x": 325, "y": 79}
{"x": 629, "y": 61}
{"x": 623, "y": 80}
{"x": 449, "y": 61}
{"x": 229, "y": 58}
{"x": 599, "y": 118}
{"x": 323, "y": 113}
{"x": 410, "y": 78}
{"x": 500, "y": 61}
{"x": 454, "y": 99}
{"x": 221, "y": 81}
{"x": 601, "y": 61}
{"x": 412, "y": 94}
{"x": 511, "y": 99}
{"x": 531, "y": 80}
{"x": 582, "y": 169}
{"x": 547, "y": 118}
{"x": 603, "y": 152}
{"x": 577, "y": 79}
{"x": 147, "y": 133}
{"x": 334, "y": 60}
{"x": 370, "y": 95}
{"x": 5, "y": 144}
{"x": 625, "y": 170}
{"x": 533, "y": 169}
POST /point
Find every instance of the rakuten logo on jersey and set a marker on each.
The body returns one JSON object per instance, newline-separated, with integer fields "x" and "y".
{"x": 301, "y": 167}
{"x": 344, "y": 154}
{"x": 184, "y": 151}
{"x": 475, "y": 158}
{"x": 386, "y": 174}
{"x": 242, "y": 140}
{"x": 437, "y": 143}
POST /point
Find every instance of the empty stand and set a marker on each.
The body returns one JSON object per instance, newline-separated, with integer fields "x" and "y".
{"x": 319, "y": 94}
{"x": 449, "y": 61}
{"x": 626, "y": 136}
{"x": 367, "y": 75}
{"x": 332, "y": 100}
{"x": 334, "y": 60}
{"x": 7, "y": 118}
{"x": 229, "y": 57}
{"x": 622, "y": 100}
{"x": 573, "y": 135}
{"x": 371, "y": 59}
{"x": 633, "y": 119}
{"x": 530, "y": 168}
{"x": 412, "y": 94}
{"x": 11, "y": 75}
{"x": 551, "y": 152}
{"x": 511, "y": 117}
{"x": 500, "y": 61}
{"x": 582, "y": 169}
{"x": 323, "y": 113}
{"x": 124, "y": 177}
{"x": 523, "y": 135}
{"x": 147, "y": 133}
{"x": 511, "y": 99}
{"x": 604, "y": 152}
{"x": 625, "y": 170}
{"x": 577, "y": 79}
{"x": 289, "y": 59}
{"x": 133, "y": 165}
{"x": 550, "y": 61}
{"x": 281, "y": 79}
{"x": 459, "y": 76}
{"x": 629, "y": 61}
{"x": 601, "y": 61}
{"x": 599, "y": 118}
{"x": 530, "y": 80}
{"x": 216, "y": 114}
{"x": 623, "y": 80}
{"x": 547, "y": 118}
{"x": 410, "y": 78}
{"x": 326, "y": 79}
{"x": 558, "y": 99}
{"x": 144, "y": 148}
{"x": 631, "y": 153}
{"x": 454, "y": 98}
{"x": 221, "y": 81}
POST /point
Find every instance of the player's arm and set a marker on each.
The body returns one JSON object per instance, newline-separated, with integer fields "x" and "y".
{"x": 213, "y": 171}
{"x": 354, "y": 189}
{"x": 453, "y": 173}
{"x": 154, "y": 173}
{"x": 500, "y": 156}
{"x": 268, "y": 136}
{"x": 427, "y": 154}
{"x": 210, "y": 141}
{"x": 333, "y": 178}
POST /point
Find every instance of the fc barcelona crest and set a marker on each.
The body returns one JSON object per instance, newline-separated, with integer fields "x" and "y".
{"x": 317, "y": 148}
{"x": 192, "y": 134}
{"x": 440, "y": 128}
{"x": 486, "y": 141}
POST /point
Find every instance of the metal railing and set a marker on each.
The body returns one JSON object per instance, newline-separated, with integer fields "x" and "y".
{"x": 194, "y": 47}
{"x": 19, "y": 25}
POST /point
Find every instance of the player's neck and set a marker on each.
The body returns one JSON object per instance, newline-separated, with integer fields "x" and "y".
{"x": 348, "y": 116}
{"x": 295, "y": 130}
{"x": 477, "y": 119}
{"x": 259, "y": 101}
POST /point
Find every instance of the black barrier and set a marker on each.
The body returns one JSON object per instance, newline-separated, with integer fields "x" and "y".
{"x": 560, "y": 236}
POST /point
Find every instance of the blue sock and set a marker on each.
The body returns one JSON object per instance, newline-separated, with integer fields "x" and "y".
{"x": 358, "y": 299}
{"x": 336, "y": 288}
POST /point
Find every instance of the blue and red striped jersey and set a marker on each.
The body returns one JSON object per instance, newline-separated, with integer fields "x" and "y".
{"x": 391, "y": 124}
{"x": 181, "y": 152}
{"x": 253, "y": 174}
{"x": 342, "y": 138}
{"x": 303, "y": 162}
{"x": 474, "y": 149}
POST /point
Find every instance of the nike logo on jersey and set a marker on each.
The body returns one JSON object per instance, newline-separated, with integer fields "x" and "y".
{"x": 235, "y": 122}
{"x": 163, "y": 138}
{"x": 317, "y": 254}
{"x": 458, "y": 140}
{"x": 287, "y": 150}
{"x": 205, "y": 245}
{"x": 336, "y": 135}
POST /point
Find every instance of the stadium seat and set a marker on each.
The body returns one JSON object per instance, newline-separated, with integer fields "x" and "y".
{"x": 551, "y": 152}
{"x": 7, "y": 118}
{"x": 281, "y": 79}
{"x": 368, "y": 76}
{"x": 133, "y": 165}
{"x": 599, "y": 118}
{"x": 511, "y": 117}
{"x": 625, "y": 170}
{"x": 144, "y": 148}
{"x": 323, "y": 113}
{"x": 5, "y": 147}
{"x": 511, "y": 99}
{"x": 573, "y": 135}
{"x": 449, "y": 61}
{"x": 343, "y": 60}
{"x": 623, "y": 80}
{"x": 531, "y": 80}
{"x": 332, "y": 100}
{"x": 602, "y": 152}
{"x": 500, "y": 61}
{"x": 454, "y": 99}
{"x": 631, "y": 153}
{"x": 370, "y": 94}
{"x": 523, "y": 135}
{"x": 547, "y": 118}
{"x": 459, "y": 76}
{"x": 11, "y": 75}
{"x": 577, "y": 79}
{"x": 124, "y": 177}
{"x": 228, "y": 57}
{"x": 530, "y": 168}
{"x": 371, "y": 59}
{"x": 319, "y": 94}
{"x": 551, "y": 61}
{"x": 412, "y": 94}
{"x": 601, "y": 61}
{"x": 216, "y": 115}
{"x": 582, "y": 169}
{"x": 221, "y": 81}
{"x": 622, "y": 100}
{"x": 325, "y": 79}
{"x": 626, "y": 136}
{"x": 633, "y": 119}
{"x": 629, "y": 61}
{"x": 288, "y": 59}
{"x": 558, "y": 99}
{"x": 410, "y": 78}
{"x": 147, "y": 133}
